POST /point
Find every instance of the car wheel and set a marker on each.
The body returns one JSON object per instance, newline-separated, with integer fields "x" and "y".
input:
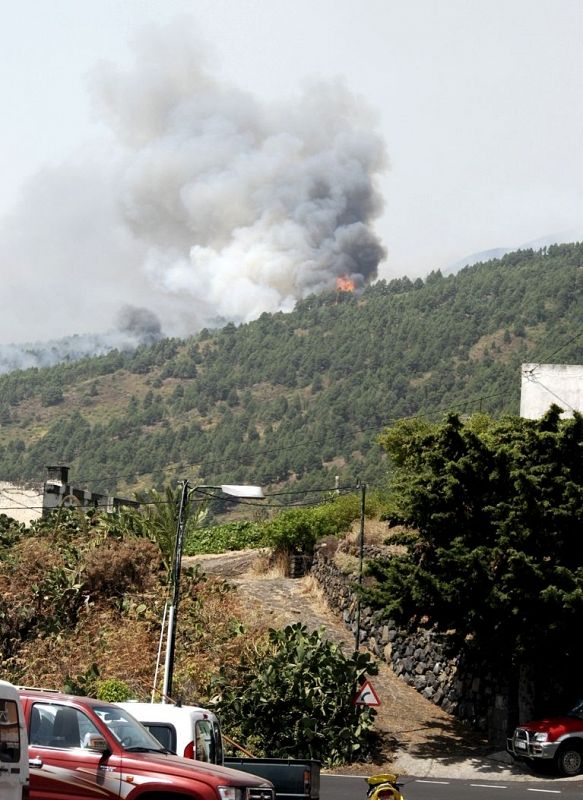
{"x": 570, "y": 760}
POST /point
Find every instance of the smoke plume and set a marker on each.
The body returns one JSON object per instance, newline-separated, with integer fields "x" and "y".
{"x": 139, "y": 323}
{"x": 211, "y": 206}
{"x": 135, "y": 326}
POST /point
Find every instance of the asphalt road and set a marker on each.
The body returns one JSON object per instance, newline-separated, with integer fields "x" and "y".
{"x": 349, "y": 787}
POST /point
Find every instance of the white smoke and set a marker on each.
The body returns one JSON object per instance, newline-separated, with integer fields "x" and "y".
{"x": 134, "y": 327}
{"x": 213, "y": 207}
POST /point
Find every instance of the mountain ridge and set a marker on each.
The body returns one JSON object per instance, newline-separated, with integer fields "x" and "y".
{"x": 294, "y": 400}
{"x": 564, "y": 237}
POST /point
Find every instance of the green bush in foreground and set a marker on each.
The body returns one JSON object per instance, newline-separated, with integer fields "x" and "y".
{"x": 293, "y": 698}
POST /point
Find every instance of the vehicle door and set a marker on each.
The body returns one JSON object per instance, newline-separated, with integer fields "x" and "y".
{"x": 54, "y": 783}
{"x": 204, "y": 739}
{"x": 13, "y": 752}
{"x": 73, "y": 749}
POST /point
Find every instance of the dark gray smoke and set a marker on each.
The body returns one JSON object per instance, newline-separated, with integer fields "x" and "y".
{"x": 209, "y": 204}
{"x": 140, "y": 323}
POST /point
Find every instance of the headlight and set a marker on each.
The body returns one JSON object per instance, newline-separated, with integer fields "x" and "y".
{"x": 540, "y": 737}
{"x": 230, "y": 793}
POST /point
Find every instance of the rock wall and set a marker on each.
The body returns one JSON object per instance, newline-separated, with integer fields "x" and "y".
{"x": 423, "y": 659}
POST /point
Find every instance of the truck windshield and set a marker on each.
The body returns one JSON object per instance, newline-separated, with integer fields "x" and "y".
{"x": 128, "y": 731}
{"x": 577, "y": 710}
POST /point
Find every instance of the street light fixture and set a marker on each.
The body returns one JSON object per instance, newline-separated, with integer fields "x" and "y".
{"x": 233, "y": 490}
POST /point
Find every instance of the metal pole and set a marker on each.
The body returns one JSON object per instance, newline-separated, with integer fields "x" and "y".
{"x": 361, "y": 561}
{"x": 172, "y": 614}
{"x": 159, "y": 656}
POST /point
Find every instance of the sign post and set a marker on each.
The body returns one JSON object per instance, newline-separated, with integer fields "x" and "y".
{"x": 366, "y": 696}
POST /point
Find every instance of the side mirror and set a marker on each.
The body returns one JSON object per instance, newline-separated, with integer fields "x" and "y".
{"x": 94, "y": 741}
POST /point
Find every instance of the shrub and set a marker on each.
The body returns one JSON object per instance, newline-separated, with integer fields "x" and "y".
{"x": 10, "y": 532}
{"x": 115, "y": 568}
{"x": 113, "y": 691}
{"x": 221, "y": 538}
{"x": 84, "y": 684}
{"x": 293, "y": 696}
{"x": 51, "y": 396}
{"x": 296, "y": 530}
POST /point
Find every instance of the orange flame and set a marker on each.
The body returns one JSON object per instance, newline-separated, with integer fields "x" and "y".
{"x": 344, "y": 284}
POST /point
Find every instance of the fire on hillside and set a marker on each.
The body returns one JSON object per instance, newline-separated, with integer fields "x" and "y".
{"x": 345, "y": 284}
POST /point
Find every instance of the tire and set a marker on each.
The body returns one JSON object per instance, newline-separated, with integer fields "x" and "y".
{"x": 570, "y": 760}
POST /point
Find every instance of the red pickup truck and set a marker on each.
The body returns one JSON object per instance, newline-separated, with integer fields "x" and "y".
{"x": 97, "y": 750}
{"x": 554, "y": 739}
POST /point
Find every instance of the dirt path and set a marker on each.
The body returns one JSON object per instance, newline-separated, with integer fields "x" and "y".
{"x": 417, "y": 735}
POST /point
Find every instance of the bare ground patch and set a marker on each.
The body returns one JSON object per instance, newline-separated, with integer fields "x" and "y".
{"x": 406, "y": 721}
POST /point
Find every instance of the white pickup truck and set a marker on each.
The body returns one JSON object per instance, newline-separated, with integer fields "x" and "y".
{"x": 188, "y": 731}
{"x": 194, "y": 732}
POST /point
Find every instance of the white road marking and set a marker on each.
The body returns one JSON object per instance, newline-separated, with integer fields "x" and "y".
{"x": 487, "y": 786}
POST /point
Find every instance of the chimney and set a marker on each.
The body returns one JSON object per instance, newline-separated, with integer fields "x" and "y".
{"x": 57, "y": 474}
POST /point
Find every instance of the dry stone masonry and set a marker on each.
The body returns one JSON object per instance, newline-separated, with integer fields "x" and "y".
{"x": 421, "y": 660}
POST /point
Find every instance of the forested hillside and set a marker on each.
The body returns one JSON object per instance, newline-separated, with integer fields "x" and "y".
{"x": 302, "y": 396}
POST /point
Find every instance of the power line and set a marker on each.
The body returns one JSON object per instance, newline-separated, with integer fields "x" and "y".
{"x": 277, "y": 450}
{"x": 342, "y": 490}
{"x": 265, "y": 452}
{"x": 546, "y": 359}
{"x": 341, "y": 436}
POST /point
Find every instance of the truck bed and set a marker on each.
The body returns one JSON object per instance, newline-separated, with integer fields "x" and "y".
{"x": 293, "y": 778}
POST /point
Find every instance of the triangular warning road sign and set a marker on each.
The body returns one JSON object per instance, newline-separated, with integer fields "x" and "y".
{"x": 366, "y": 696}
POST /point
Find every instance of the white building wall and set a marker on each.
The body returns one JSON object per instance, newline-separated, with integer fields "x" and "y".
{"x": 24, "y": 504}
{"x": 545, "y": 384}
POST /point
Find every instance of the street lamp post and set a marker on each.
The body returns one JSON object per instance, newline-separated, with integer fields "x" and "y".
{"x": 240, "y": 491}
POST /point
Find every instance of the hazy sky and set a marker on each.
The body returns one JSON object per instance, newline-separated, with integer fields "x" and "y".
{"x": 479, "y": 104}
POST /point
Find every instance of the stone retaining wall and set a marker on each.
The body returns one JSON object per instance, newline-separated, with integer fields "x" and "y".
{"x": 466, "y": 691}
